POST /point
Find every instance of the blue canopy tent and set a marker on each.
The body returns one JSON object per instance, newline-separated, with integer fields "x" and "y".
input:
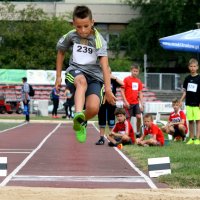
{"x": 188, "y": 41}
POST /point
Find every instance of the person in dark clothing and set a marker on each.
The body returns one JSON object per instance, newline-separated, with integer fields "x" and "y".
{"x": 26, "y": 98}
{"x": 191, "y": 94}
{"x": 55, "y": 99}
{"x": 106, "y": 111}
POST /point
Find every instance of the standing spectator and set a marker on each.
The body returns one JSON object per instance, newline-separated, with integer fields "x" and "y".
{"x": 106, "y": 111}
{"x": 156, "y": 135}
{"x": 176, "y": 126}
{"x": 133, "y": 96}
{"x": 191, "y": 94}
{"x": 88, "y": 68}
{"x": 55, "y": 99}
{"x": 122, "y": 133}
{"x": 68, "y": 104}
{"x": 26, "y": 98}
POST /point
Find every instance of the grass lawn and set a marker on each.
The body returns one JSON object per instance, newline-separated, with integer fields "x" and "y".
{"x": 184, "y": 159}
{"x": 4, "y": 126}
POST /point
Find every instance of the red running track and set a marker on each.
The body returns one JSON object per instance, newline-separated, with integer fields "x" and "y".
{"x": 48, "y": 155}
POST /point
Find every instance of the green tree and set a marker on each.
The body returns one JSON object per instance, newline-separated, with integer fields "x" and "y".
{"x": 159, "y": 19}
{"x": 29, "y": 42}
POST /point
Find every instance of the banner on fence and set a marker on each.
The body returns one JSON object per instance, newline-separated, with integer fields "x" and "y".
{"x": 40, "y": 77}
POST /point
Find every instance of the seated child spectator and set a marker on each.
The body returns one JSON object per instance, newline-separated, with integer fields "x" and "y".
{"x": 176, "y": 126}
{"x": 156, "y": 135}
{"x": 122, "y": 132}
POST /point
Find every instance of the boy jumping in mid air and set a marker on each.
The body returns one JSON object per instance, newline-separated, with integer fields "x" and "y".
{"x": 156, "y": 135}
{"x": 122, "y": 131}
{"x": 88, "y": 68}
{"x": 176, "y": 126}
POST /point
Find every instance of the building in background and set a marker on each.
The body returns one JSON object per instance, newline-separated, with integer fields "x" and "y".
{"x": 111, "y": 16}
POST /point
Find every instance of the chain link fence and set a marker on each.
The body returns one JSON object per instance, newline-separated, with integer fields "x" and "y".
{"x": 159, "y": 81}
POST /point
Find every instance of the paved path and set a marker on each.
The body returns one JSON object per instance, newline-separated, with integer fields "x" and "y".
{"x": 48, "y": 155}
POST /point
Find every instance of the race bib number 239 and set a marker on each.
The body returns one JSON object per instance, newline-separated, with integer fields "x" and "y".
{"x": 83, "y": 54}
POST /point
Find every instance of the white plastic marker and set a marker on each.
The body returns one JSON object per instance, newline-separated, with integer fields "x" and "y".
{"x": 3, "y": 166}
{"x": 159, "y": 166}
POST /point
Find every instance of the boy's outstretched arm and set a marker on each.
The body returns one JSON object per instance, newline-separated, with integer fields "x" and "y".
{"x": 59, "y": 65}
{"x": 110, "y": 97}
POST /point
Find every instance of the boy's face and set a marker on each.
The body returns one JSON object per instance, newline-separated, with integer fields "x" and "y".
{"x": 134, "y": 72}
{"x": 121, "y": 117}
{"x": 176, "y": 106}
{"x": 147, "y": 122}
{"x": 193, "y": 68}
{"x": 83, "y": 26}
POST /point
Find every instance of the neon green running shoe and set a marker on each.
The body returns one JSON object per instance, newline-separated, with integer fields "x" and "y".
{"x": 190, "y": 141}
{"x": 81, "y": 135}
{"x": 197, "y": 141}
{"x": 78, "y": 119}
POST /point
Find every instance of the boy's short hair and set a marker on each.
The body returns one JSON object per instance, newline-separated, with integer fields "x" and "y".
{"x": 193, "y": 60}
{"x": 120, "y": 111}
{"x": 82, "y": 12}
{"x": 148, "y": 115}
{"x": 135, "y": 66}
{"x": 175, "y": 100}
{"x": 24, "y": 79}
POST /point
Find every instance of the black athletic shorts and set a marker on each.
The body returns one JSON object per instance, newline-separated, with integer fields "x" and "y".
{"x": 94, "y": 86}
{"x": 106, "y": 115}
{"x": 133, "y": 110}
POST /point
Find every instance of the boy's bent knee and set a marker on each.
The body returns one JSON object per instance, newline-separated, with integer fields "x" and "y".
{"x": 80, "y": 80}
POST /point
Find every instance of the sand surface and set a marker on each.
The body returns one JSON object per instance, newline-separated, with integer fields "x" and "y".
{"x": 28, "y": 193}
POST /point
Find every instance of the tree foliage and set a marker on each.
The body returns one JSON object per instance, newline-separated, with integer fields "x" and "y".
{"x": 30, "y": 41}
{"x": 159, "y": 18}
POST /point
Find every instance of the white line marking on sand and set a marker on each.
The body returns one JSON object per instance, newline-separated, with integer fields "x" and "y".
{"x": 101, "y": 179}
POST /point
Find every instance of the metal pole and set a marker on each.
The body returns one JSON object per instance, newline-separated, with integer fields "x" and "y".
{"x": 160, "y": 81}
{"x": 145, "y": 70}
{"x": 198, "y": 26}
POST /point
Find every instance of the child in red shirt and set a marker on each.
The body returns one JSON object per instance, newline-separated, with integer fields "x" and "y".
{"x": 176, "y": 126}
{"x": 122, "y": 131}
{"x": 156, "y": 135}
{"x": 133, "y": 96}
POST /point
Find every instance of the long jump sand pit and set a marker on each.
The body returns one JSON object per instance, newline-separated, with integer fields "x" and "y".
{"x": 37, "y": 193}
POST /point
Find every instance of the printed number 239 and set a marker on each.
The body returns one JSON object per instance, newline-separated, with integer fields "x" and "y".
{"x": 84, "y": 49}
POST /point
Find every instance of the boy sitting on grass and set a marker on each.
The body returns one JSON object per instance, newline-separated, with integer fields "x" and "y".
{"x": 122, "y": 133}
{"x": 156, "y": 135}
{"x": 176, "y": 126}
